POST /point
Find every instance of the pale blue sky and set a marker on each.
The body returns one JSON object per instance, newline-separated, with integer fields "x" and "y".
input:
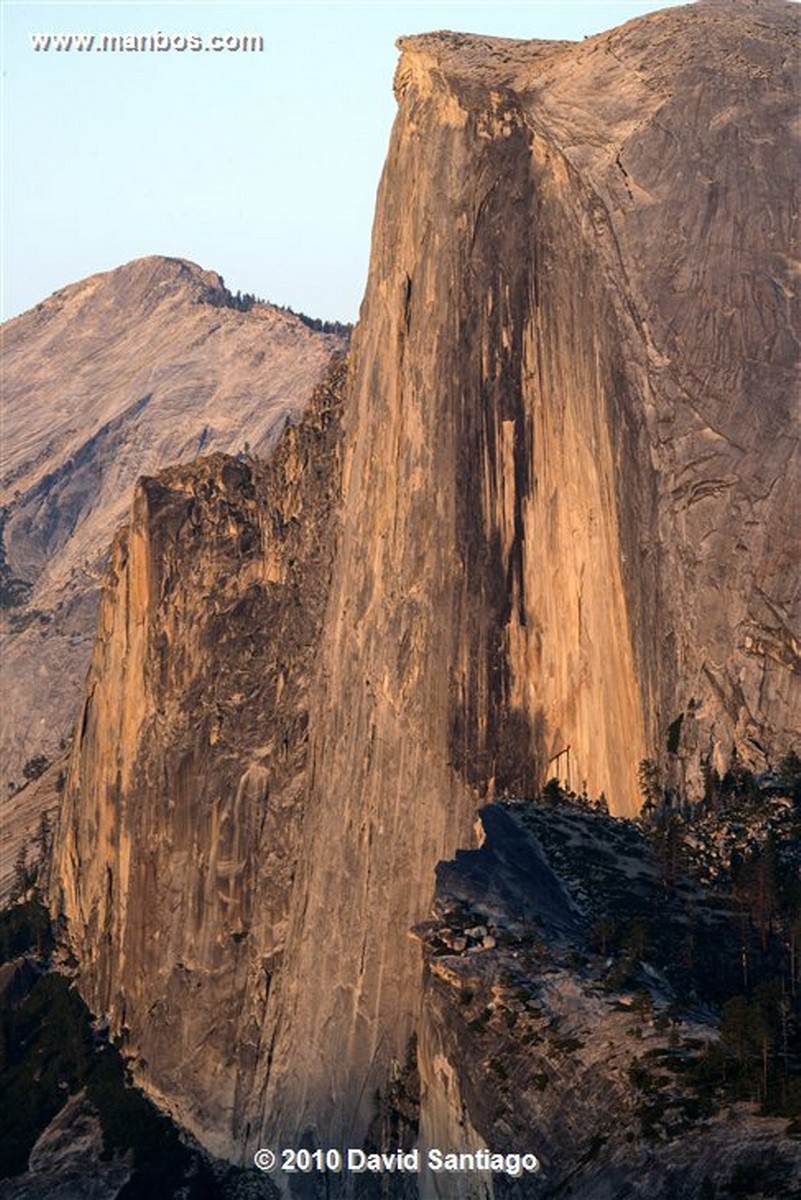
{"x": 263, "y": 167}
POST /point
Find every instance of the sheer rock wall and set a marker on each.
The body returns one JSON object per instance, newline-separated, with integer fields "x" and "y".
{"x": 567, "y": 516}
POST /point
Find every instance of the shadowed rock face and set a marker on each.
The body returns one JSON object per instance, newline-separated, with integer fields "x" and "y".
{"x": 108, "y": 379}
{"x": 567, "y": 497}
{"x": 521, "y": 1048}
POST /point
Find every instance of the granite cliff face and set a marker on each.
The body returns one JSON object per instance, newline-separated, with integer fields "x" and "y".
{"x": 565, "y": 519}
{"x": 180, "y": 819}
{"x": 108, "y": 379}
{"x": 571, "y": 469}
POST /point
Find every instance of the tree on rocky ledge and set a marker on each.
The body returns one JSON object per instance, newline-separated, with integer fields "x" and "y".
{"x": 650, "y": 781}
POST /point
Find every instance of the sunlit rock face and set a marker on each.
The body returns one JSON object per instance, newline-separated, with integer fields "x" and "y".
{"x": 562, "y": 517}
{"x": 180, "y": 819}
{"x": 111, "y": 378}
{"x": 569, "y": 480}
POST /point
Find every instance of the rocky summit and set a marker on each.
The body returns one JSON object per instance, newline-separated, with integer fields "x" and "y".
{"x": 532, "y": 551}
{"x": 111, "y": 378}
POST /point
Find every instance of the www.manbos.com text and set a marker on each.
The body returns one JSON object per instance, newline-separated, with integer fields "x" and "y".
{"x": 144, "y": 43}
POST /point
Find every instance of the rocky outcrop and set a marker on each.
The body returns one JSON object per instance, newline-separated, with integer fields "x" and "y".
{"x": 531, "y": 1044}
{"x": 68, "y": 1160}
{"x": 565, "y": 523}
{"x": 181, "y": 815}
{"x": 26, "y": 829}
{"x": 108, "y": 379}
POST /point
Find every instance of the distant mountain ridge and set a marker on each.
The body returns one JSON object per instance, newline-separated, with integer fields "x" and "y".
{"x": 115, "y": 376}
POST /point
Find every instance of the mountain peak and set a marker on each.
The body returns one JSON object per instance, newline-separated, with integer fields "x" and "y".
{"x": 141, "y": 283}
{"x": 112, "y": 377}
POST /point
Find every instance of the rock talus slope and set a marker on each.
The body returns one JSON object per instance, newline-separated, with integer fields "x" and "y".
{"x": 567, "y": 514}
{"x": 106, "y": 380}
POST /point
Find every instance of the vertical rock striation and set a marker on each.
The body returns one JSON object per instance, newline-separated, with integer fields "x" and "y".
{"x": 117, "y": 376}
{"x": 179, "y": 826}
{"x": 570, "y": 441}
{"x": 569, "y": 490}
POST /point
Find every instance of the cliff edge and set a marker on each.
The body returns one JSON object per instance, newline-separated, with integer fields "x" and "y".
{"x": 570, "y": 481}
{"x": 562, "y": 538}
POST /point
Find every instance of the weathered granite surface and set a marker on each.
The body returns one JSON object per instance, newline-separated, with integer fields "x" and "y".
{"x": 568, "y": 513}
{"x": 524, "y": 1049}
{"x": 68, "y": 1163}
{"x": 180, "y": 819}
{"x": 109, "y": 379}
{"x": 570, "y": 482}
